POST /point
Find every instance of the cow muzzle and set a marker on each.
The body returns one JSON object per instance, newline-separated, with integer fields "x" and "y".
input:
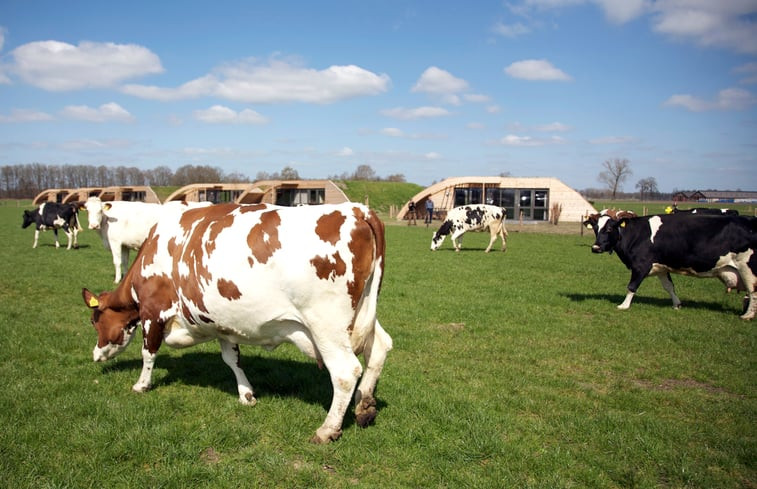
{"x": 596, "y": 248}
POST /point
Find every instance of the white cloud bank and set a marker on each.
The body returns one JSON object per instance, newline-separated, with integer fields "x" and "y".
{"x": 59, "y": 66}
{"x": 728, "y": 99}
{"x": 275, "y": 82}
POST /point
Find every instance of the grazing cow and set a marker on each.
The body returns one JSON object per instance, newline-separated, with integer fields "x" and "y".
{"x": 701, "y": 210}
{"x": 256, "y": 275}
{"x": 472, "y": 218}
{"x": 52, "y": 215}
{"x": 125, "y": 225}
{"x": 703, "y": 246}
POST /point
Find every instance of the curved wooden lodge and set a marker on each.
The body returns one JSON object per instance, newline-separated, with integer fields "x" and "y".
{"x": 527, "y": 198}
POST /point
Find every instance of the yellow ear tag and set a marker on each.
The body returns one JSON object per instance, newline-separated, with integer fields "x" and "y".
{"x": 93, "y": 302}
{"x": 623, "y": 224}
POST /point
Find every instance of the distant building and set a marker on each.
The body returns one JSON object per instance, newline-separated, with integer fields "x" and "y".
{"x": 279, "y": 192}
{"x": 530, "y": 198}
{"x": 714, "y": 196}
{"x": 133, "y": 193}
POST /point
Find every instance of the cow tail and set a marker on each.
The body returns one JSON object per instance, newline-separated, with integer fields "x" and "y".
{"x": 377, "y": 229}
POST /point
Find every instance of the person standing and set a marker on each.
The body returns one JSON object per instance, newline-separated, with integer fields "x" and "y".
{"x": 411, "y": 214}
{"x": 429, "y": 211}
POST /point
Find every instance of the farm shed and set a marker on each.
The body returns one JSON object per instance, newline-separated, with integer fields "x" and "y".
{"x": 280, "y": 192}
{"x": 531, "y": 198}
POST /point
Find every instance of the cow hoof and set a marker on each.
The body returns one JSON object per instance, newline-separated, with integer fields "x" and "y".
{"x": 248, "y": 399}
{"x": 141, "y": 388}
{"x": 319, "y": 439}
{"x": 365, "y": 412}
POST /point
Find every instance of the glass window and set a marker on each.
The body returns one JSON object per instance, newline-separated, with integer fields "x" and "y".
{"x": 540, "y": 198}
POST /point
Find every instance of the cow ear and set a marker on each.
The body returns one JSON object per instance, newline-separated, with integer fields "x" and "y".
{"x": 107, "y": 206}
{"x": 90, "y": 299}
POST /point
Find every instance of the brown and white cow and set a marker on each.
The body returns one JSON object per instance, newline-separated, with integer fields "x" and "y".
{"x": 250, "y": 274}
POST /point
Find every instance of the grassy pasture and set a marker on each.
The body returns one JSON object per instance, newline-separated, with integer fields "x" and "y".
{"x": 509, "y": 370}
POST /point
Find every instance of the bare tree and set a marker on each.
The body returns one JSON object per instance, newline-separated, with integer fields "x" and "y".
{"x": 364, "y": 172}
{"x": 615, "y": 172}
{"x": 289, "y": 173}
{"x": 647, "y": 187}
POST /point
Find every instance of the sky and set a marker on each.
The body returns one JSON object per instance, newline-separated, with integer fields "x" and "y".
{"x": 426, "y": 89}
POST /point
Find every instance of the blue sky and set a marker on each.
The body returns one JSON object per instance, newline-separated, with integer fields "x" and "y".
{"x": 427, "y": 89}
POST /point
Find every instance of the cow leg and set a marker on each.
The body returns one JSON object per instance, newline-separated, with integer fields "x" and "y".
{"x": 667, "y": 284}
{"x": 55, "y": 232}
{"x": 145, "y": 377}
{"x": 36, "y": 238}
{"x": 637, "y": 276}
{"x": 375, "y": 352}
{"x": 68, "y": 237}
{"x": 457, "y": 240}
{"x": 493, "y": 232}
{"x": 749, "y": 281}
{"x": 230, "y": 355}
{"x": 344, "y": 369}
{"x": 120, "y": 255}
{"x": 503, "y": 235}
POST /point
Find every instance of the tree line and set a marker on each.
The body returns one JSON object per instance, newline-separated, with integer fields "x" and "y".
{"x": 28, "y": 180}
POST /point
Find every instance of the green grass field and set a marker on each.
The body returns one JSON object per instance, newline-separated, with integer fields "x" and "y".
{"x": 509, "y": 370}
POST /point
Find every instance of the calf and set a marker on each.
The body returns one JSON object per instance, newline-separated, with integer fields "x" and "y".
{"x": 52, "y": 215}
{"x": 703, "y": 246}
{"x": 125, "y": 225}
{"x": 472, "y": 218}
{"x": 250, "y": 274}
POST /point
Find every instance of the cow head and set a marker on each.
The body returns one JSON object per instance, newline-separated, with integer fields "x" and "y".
{"x": 95, "y": 211}
{"x": 592, "y": 221}
{"x": 115, "y": 326}
{"x": 438, "y": 238}
{"x": 608, "y": 234}
{"x": 28, "y": 218}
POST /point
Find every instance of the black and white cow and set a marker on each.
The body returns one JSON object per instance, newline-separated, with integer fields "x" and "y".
{"x": 52, "y": 215}
{"x": 701, "y": 246}
{"x": 472, "y": 218}
{"x": 702, "y": 210}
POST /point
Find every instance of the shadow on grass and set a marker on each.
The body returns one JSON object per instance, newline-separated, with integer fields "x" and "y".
{"x": 656, "y": 301}
{"x": 270, "y": 377}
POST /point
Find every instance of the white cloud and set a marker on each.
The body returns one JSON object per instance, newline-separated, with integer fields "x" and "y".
{"x": 105, "y": 113}
{"x": 58, "y": 66}
{"x": 416, "y": 113}
{"x": 218, "y": 114}
{"x": 346, "y": 151}
{"x": 528, "y": 141}
{"x": 494, "y": 109}
{"x": 511, "y": 30}
{"x": 432, "y": 155}
{"x": 438, "y": 81}
{"x": 26, "y": 115}
{"x": 728, "y": 24}
{"x": 275, "y": 82}
{"x": 536, "y": 69}
{"x": 727, "y": 99}
{"x": 476, "y": 126}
